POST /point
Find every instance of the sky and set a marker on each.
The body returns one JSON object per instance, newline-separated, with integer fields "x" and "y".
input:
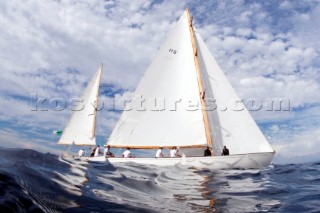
{"x": 50, "y": 49}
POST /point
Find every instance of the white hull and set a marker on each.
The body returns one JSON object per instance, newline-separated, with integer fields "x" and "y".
{"x": 240, "y": 161}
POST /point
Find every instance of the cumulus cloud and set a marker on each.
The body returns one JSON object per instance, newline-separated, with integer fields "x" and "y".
{"x": 296, "y": 140}
{"x": 57, "y": 35}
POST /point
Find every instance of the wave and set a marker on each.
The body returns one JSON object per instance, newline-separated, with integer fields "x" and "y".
{"x": 36, "y": 182}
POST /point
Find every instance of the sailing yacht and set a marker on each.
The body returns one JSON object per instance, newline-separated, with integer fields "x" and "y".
{"x": 183, "y": 72}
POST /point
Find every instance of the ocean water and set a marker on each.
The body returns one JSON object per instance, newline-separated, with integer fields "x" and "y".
{"x": 35, "y": 182}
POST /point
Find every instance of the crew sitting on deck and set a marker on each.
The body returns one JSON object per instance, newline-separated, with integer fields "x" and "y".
{"x": 81, "y": 153}
{"x": 107, "y": 153}
{"x": 225, "y": 151}
{"x": 207, "y": 152}
{"x": 159, "y": 153}
{"x": 178, "y": 152}
{"x": 174, "y": 153}
{"x": 93, "y": 150}
{"x": 127, "y": 154}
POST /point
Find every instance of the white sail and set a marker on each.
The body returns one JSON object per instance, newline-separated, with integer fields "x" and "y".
{"x": 235, "y": 129}
{"x": 81, "y": 127}
{"x": 171, "y": 77}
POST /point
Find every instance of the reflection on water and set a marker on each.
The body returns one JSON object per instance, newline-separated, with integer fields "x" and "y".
{"x": 31, "y": 181}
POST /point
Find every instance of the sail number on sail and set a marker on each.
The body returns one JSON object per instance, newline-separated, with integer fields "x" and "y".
{"x": 173, "y": 51}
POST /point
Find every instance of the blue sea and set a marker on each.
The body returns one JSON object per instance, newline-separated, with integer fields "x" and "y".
{"x": 36, "y": 182}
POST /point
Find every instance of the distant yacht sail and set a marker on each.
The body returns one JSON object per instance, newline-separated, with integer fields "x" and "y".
{"x": 81, "y": 128}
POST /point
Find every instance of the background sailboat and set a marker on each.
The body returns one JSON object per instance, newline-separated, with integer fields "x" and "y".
{"x": 82, "y": 126}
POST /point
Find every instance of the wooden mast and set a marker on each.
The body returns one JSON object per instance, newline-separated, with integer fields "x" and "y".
{"x": 96, "y": 105}
{"x": 201, "y": 90}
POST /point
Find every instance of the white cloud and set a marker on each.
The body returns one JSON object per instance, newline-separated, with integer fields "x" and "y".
{"x": 79, "y": 34}
{"x": 245, "y": 16}
{"x": 297, "y": 143}
{"x": 285, "y": 5}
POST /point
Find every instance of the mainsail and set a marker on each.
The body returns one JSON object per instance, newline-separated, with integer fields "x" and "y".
{"x": 173, "y": 76}
{"x": 81, "y": 127}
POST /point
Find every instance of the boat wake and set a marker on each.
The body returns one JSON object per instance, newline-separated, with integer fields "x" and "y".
{"x": 35, "y": 182}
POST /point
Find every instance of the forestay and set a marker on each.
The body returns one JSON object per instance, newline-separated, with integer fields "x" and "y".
{"x": 171, "y": 79}
{"x": 81, "y": 127}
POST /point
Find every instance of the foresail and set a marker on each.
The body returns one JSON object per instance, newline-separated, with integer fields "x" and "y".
{"x": 171, "y": 80}
{"x": 81, "y": 127}
{"x": 231, "y": 127}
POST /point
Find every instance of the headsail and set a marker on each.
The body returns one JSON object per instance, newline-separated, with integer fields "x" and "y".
{"x": 231, "y": 127}
{"x": 81, "y": 127}
{"x": 171, "y": 78}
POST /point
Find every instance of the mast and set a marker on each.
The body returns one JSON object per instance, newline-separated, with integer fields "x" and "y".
{"x": 96, "y": 104}
{"x": 201, "y": 90}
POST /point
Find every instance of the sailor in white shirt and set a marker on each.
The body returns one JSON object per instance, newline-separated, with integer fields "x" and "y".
{"x": 127, "y": 153}
{"x": 174, "y": 152}
{"x": 107, "y": 153}
{"x": 159, "y": 153}
{"x": 81, "y": 153}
